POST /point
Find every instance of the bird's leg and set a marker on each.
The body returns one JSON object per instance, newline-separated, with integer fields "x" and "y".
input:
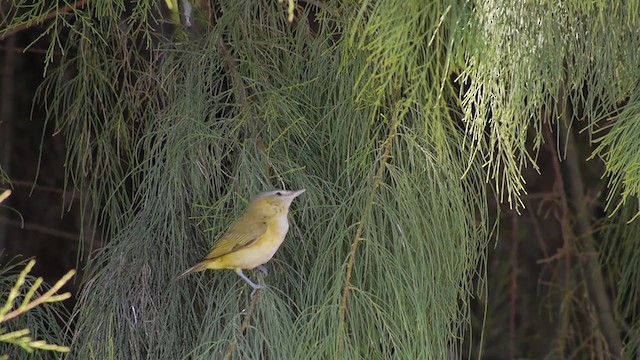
{"x": 245, "y": 278}
{"x": 263, "y": 270}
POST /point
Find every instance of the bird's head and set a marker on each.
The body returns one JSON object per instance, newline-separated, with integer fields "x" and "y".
{"x": 275, "y": 202}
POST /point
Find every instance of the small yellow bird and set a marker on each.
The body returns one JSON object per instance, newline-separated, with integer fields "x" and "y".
{"x": 254, "y": 238}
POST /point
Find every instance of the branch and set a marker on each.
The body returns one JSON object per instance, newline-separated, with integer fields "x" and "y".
{"x": 63, "y": 10}
{"x": 43, "y": 188}
{"x": 41, "y": 229}
{"x": 245, "y": 323}
{"x": 21, "y": 337}
{"x": 567, "y": 235}
{"x": 513, "y": 303}
{"x": 49, "y": 296}
{"x": 595, "y": 281}
{"x": 377, "y": 180}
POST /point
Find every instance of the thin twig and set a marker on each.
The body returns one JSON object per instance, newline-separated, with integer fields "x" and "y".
{"x": 537, "y": 230}
{"x": 31, "y": 184}
{"x": 42, "y": 229}
{"x": 22, "y": 50}
{"x": 5, "y": 195}
{"x": 514, "y": 286}
{"x": 236, "y": 80}
{"x": 208, "y": 11}
{"x": 567, "y": 235}
{"x": 46, "y": 297}
{"x": 395, "y": 122}
{"x": 246, "y": 321}
{"x": 565, "y": 222}
{"x": 63, "y": 10}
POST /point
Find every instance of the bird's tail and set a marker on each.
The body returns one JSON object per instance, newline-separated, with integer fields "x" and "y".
{"x": 197, "y": 267}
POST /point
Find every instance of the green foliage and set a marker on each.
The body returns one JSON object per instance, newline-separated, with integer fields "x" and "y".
{"x": 392, "y": 114}
{"x": 40, "y": 320}
{"x": 102, "y": 139}
{"x": 620, "y": 150}
{"x": 621, "y": 252}
{"x": 257, "y": 104}
{"x": 530, "y": 56}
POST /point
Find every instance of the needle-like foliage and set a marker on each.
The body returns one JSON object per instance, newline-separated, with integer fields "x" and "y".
{"x": 31, "y": 317}
{"x": 621, "y": 152}
{"x": 392, "y": 114}
{"x": 258, "y": 103}
{"x": 621, "y": 250}
{"x": 528, "y": 56}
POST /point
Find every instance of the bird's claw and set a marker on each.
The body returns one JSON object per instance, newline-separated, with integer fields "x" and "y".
{"x": 263, "y": 270}
{"x": 255, "y": 289}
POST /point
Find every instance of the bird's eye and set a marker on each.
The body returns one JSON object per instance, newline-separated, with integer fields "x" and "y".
{"x": 279, "y": 193}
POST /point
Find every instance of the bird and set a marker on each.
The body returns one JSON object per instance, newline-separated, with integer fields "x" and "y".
{"x": 253, "y": 238}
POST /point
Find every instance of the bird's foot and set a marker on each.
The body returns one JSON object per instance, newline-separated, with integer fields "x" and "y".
{"x": 263, "y": 269}
{"x": 251, "y": 283}
{"x": 256, "y": 287}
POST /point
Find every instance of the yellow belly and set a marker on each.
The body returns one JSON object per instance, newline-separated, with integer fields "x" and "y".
{"x": 256, "y": 254}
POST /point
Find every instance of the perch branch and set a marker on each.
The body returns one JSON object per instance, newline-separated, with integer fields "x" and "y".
{"x": 246, "y": 321}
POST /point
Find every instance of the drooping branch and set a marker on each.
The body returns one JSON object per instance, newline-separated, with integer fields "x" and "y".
{"x": 62, "y": 10}
{"x": 377, "y": 180}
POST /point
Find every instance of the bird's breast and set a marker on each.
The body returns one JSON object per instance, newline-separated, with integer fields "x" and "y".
{"x": 276, "y": 231}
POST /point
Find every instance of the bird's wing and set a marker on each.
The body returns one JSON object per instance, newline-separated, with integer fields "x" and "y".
{"x": 239, "y": 236}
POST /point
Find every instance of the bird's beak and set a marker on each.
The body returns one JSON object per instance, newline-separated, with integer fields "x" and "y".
{"x": 297, "y": 193}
